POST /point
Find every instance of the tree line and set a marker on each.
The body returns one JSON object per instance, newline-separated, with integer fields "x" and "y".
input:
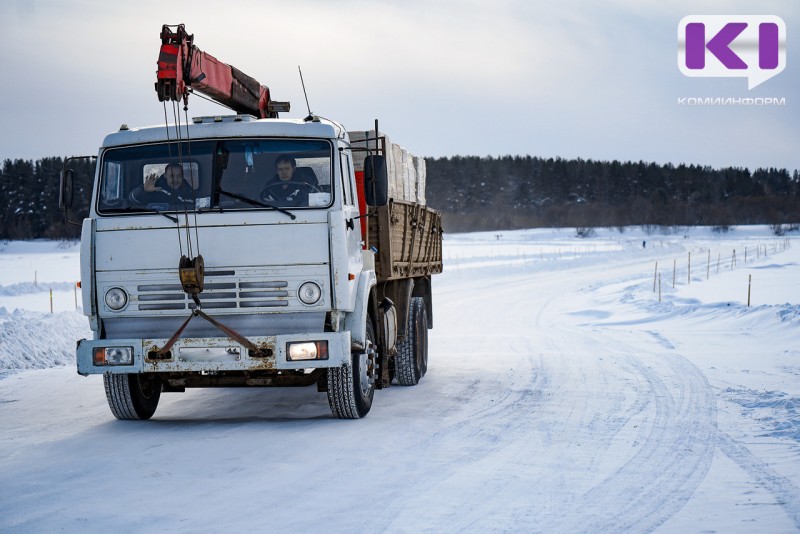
{"x": 29, "y": 198}
{"x": 488, "y": 193}
{"x": 509, "y": 192}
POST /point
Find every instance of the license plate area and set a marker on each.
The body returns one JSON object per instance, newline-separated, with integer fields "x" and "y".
{"x": 209, "y": 354}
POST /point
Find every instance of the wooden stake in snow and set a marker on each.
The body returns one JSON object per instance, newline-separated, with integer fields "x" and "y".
{"x": 659, "y": 287}
{"x": 51, "y": 300}
{"x": 749, "y": 283}
{"x": 674, "y": 268}
{"x": 75, "y": 291}
{"x": 689, "y": 270}
{"x": 655, "y": 275}
{"x": 733, "y": 259}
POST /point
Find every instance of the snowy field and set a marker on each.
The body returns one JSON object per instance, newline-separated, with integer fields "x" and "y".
{"x": 574, "y": 385}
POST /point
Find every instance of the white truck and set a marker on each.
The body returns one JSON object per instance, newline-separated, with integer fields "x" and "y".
{"x": 237, "y": 276}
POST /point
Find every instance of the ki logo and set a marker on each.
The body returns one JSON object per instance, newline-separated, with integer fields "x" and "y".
{"x": 732, "y": 46}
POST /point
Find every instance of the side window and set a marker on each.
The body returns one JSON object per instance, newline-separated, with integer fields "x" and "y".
{"x": 346, "y": 172}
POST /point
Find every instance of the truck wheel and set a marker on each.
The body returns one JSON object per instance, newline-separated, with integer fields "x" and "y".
{"x": 132, "y": 396}
{"x": 351, "y": 388}
{"x": 411, "y": 362}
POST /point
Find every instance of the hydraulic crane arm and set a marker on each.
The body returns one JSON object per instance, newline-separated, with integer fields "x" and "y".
{"x": 182, "y": 66}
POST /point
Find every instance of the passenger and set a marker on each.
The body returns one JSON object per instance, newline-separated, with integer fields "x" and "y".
{"x": 290, "y": 186}
{"x": 169, "y": 188}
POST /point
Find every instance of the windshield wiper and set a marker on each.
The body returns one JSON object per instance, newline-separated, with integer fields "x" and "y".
{"x": 131, "y": 209}
{"x": 256, "y": 203}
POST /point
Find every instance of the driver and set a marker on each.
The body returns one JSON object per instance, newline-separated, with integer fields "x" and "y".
{"x": 288, "y": 186}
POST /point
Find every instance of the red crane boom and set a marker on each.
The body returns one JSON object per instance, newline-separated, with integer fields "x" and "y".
{"x": 182, "y": 66}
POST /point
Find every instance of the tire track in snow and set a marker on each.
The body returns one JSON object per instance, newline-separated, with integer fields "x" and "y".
{"x": 786, "y": 494}
{"x": 492, "y": 450}
{"x": 600, "y": 437}
{"x": 675, "y": 454}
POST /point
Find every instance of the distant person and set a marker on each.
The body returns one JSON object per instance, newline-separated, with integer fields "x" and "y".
{"x": 290, "y": 186}
{"x": 644, "y": 244}
{"x": 169, "y": 188}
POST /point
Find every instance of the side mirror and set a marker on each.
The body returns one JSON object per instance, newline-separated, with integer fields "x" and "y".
{"x": 376, "y": 181}
{"x": 66, "y": 188}
{"x": 66, "y": 191}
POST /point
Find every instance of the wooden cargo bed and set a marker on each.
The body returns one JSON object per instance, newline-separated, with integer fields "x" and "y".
{"x": 408, "y": 237}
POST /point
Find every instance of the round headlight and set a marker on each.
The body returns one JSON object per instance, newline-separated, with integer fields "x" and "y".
{"x": 309, "y": 293}
{"x": 116, "y": 298}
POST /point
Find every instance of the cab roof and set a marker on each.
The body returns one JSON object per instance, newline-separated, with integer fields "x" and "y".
{"x": 226, "y": 127}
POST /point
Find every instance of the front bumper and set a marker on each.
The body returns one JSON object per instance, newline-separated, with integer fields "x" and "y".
{"x": 213, "y": 354}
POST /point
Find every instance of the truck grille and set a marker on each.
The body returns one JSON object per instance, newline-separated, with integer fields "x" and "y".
{"x": 216, "y": 294}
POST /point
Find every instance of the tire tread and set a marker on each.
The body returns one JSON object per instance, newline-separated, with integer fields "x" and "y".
{"x": 406, "y": 369}
{"x": 342, "y": 390}
{"x": 122, "y": 400}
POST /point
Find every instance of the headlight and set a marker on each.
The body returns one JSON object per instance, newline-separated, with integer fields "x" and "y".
{"x": 309, "y": 293}
{"x": 113, "y": 356}
{"x": 116, "y": 298}
{"x": 307, "y": 350}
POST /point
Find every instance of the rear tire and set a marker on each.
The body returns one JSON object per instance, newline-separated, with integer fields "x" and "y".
{"x": 411, "y": 362}
{"x": 132, "y": 396}
{"x": 351, "y": 388}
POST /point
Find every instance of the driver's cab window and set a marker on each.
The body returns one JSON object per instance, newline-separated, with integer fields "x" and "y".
{"x": 146, "y": 178}
{"x": 275, "y": 173}
{"x": 246, "y": 174}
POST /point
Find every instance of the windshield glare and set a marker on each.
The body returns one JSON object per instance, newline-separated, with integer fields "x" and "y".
{"x": 225, "y": 174}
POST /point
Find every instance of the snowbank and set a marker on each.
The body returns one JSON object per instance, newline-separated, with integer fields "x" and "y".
{"x": 33, "y": 340}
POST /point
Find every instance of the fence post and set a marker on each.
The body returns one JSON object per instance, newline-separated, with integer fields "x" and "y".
{"x": 659, "y": 287}
{"x": 674, "y": 268}
{"x": 749, "y": 283}
{"x": 51, "y": 300}
{"x": 655, "y": 274}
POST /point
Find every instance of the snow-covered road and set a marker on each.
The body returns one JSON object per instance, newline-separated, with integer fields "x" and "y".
{"x": 561, "y": 396}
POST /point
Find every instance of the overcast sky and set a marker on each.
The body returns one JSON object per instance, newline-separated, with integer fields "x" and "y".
{"x": 588, "y": 79}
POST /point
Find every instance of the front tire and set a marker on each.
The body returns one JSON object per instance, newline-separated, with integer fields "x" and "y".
{"x": 132, "y": 396}
{"x": 351, "y": 388}
{"x": 411, "y": 362}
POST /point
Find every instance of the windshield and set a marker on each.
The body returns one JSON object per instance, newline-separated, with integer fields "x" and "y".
{"x": 220, "y": 174}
